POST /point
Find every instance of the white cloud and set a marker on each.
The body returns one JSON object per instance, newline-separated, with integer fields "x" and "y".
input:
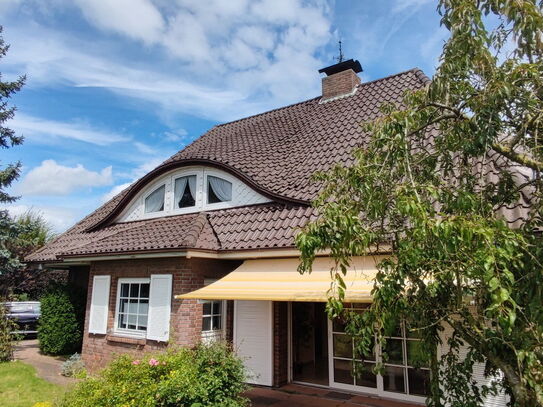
{"x": 60, "y": 218}
{"x": 114, "y": 191}
{"x": 226, "y": 59}
{"x": 37, "y": 127}
{"x": 134, "y": 175}
{"x": 144, "y": 148}
{"x": 431, "y": 48}
{"x": 51, "y": 178}
{"x": 176, "y": 135}
{"x": 138, "y": 19}
{"x": 402, "y": 5}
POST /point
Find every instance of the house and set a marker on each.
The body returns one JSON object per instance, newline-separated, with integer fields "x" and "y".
{"x": 202, "y": 248}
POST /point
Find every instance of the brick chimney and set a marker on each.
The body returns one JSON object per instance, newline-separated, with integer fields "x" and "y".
{"x": 340, "y": 80}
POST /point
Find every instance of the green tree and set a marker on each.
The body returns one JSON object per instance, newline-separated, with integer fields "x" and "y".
{"x": 431, "y": 188}
{"x": 8, "y": 229}
{"x": 30, "y": 232}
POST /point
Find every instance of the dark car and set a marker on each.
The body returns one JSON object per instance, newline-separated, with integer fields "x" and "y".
{"x": 26, "y": 314}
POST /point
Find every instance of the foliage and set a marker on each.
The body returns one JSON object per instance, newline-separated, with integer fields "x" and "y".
{"x": 29, "y": 232}
{"x": 35, "y": 233}
{"x": 74, "y": 367}
{"x": 7, "y": 337}
{"x": 430, "y": 188}
{"x": 21, "y": 387}
{"x": 8, "y": 229}
{"x": 9, "y": 232}
{"x": 8, "y": 138}
{"x": 60, "y": 328}
{"x": 209, "y": 375}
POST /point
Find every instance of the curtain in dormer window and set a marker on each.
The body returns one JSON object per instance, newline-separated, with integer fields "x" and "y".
{"x": 219, "y": 190}
{"x": 155, "y": 201}
{"x": 185, "y": 192}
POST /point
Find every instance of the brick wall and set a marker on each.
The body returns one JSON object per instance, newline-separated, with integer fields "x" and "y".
{"x": 280, "y": 343}
{"x": 338, "y": 84}
{"x": 186, "y": 315}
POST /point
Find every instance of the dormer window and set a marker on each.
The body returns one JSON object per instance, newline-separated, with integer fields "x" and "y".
{"x": 155, "y": 200}
{"x": 189, "y": 190}
{"x": 218, "y": 190}
{"x": 185, "y": 192}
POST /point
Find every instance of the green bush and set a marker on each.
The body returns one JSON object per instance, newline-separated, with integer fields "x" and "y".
{"x": 7, "y": 338}
{"x": 74, "y": 367}
{"x": 209, "y": 375}
{"x": 60, "y": 328}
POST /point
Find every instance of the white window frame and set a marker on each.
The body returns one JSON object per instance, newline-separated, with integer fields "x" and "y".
{"x": 124, "y": 331}
{"x": 198, "y": 201}
{"x": 214, "y": 334}
{"x": 220, "y": 205}
{"x": 379, "y": 390}
{"x": 149, "y": 191}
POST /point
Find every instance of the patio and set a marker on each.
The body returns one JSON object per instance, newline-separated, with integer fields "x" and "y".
{"x": 294, "y": 395}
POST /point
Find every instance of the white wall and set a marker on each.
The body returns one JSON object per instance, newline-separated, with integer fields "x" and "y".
{"x": 499, "y": 400}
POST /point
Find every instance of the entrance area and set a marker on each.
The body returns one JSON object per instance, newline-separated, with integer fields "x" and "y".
{"x": 310, "y": 343}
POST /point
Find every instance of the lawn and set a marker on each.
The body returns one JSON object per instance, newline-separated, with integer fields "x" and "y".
{"x": 21, "y": 387}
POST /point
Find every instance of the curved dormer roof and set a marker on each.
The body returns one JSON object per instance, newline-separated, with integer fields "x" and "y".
{"x": 277, "y": 152}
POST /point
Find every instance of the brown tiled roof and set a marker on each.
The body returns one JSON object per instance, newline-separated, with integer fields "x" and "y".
{"x": 274, "y": 152}
{"x": 251, "y": 227}
{"x": 278, "y": 151}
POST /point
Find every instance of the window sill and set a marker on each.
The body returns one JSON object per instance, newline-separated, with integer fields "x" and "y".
{"x": 125, "y": 339}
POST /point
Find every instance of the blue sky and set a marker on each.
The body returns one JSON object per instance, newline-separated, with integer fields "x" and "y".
{"x": 116, "y": 86}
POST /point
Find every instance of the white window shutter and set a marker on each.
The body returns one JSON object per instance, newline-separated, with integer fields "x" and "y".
{"x": 99, "y": 304}
{"x": 160, "y": 302}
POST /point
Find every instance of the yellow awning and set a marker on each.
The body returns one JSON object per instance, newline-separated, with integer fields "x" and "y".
{"x": 279, "y": 280}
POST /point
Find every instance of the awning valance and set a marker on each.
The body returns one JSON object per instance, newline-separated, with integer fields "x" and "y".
{"x": 279, "y": 280}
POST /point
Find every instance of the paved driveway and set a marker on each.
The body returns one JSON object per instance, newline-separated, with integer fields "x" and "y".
{"x": 294, "y": 395}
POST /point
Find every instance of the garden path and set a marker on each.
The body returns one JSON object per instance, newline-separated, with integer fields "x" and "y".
{"x": 48, "y": 367}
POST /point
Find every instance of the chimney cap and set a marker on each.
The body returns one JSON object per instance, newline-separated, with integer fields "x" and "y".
{"x": 342, "y": 66}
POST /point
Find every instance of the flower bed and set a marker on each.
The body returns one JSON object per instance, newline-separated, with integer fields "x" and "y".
{"x": 205, "y": 376}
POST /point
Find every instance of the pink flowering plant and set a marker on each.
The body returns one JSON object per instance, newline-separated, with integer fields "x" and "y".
{"x": 209, "y": 375}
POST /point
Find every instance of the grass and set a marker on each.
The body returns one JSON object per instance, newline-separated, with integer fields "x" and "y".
{"x": 21, "y": 387}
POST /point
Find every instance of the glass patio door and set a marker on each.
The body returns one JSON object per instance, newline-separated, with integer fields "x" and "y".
{"x": 310, "y": 343}
{"x": 406, "y": 376}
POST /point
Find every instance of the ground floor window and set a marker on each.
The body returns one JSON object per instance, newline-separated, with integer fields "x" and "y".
{"x": 212, "y": 316}
{"x": 132, "y": 305}
{"x": 405, "y": 369}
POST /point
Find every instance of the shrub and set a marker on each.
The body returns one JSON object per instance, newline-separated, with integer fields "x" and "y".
{"x": 61, "y": 322}
{"x": 7, "y": 338}
{"x": 209, "y": 375}
{"x": 74, "y": 367}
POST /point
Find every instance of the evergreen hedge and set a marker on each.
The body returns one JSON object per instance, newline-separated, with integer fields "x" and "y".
{"x": 60, "y": 328}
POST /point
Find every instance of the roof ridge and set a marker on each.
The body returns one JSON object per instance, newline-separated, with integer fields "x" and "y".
{"x": 215, "y": 235}
{"x": 192, "y": 235}
{"x": 417, "y": 71}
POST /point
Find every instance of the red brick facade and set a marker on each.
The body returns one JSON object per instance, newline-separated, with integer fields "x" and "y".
{"x": 340, "y": 83}
{"x": 186, "y": 315}
{"x": 280, "y": 343}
